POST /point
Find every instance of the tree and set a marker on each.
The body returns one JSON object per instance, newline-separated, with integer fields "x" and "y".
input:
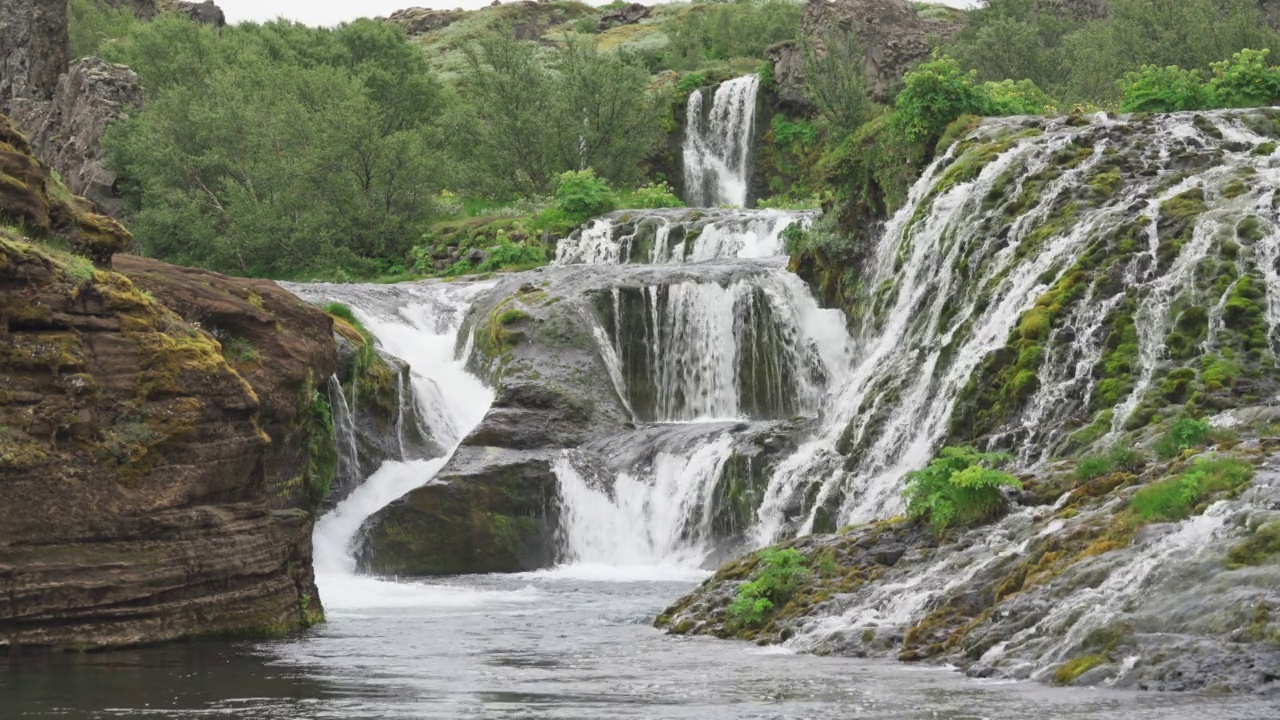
{"x": 836, "y": 83}
{"x": 276, "y": 148}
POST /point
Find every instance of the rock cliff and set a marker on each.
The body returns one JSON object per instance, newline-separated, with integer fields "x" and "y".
{"x": 132, "y": 451}
{"x": 890, "y": 33}
{"x": 34, "y": 49}
{"x": 66, "y": 131}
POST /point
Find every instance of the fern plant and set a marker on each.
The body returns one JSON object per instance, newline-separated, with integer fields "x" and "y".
{"x": 961, "y": 487}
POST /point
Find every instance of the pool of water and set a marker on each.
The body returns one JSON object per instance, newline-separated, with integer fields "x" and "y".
{"x": 573, "y": 643}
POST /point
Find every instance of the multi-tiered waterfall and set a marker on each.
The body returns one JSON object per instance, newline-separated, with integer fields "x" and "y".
{"x": 1036, "y": 292}
{"x": 719, "y": 131}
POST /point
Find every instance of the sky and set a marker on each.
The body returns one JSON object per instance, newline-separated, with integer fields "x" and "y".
{"x": 332, "y": 12}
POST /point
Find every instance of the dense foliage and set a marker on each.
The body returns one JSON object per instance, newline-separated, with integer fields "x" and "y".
{"x": 1078, "y": 57}
{"x": 959, "y": 488}
{"x": 280, "y": 150}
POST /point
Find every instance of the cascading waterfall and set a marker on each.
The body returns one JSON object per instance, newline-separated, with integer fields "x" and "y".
{"x": 695, "y": 350}
{"x": 1041, "y": 257}
{"x": 418, "y": 324}
{"x": 665, "y": 237}
{"x": 717, "y": 145}
{"x": 991, "y": 251}
{"x": 657, "y": 517}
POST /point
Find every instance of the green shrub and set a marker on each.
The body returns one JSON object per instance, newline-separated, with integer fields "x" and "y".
{"x": 690, "y": 82}
{"x": 1163, "y": 89}
{"x": 655, "y": 195}
{"x": 1245, "y": 80}
{"x": 1008, "y": 97}
{"x": 582, "y": 195}
{"x": 779, "y": 574}
{"x": 1176, "y": 498}
{"x": 961, "y": 487}
{"x": 933, "y": 96}
{"x": 506, "y": 255}
{"x": 92, "y": 22}
{"x": 1184, "y": 434}
{"x": 1116, "y": 459}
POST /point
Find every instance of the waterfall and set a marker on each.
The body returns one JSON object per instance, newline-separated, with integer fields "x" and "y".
{"x": 418, "y": 324}
{"x": 658, "y": 517}
{"x": 695, "y": 350}
{"x": 1044, "y": 230}
{"x": 672, "y": 237}
{"x": 717, "y": 144}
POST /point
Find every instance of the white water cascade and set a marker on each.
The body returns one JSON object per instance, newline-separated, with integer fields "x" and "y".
{"x": 419, "y": 324}
{"x": 717, "y": 146}
{"x": 672, "y": 237}
{"x": 956, "y": 271}
{"x": 715, "y": 334}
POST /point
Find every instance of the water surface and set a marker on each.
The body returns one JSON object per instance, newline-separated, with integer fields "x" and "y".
{"x": 573, "y": 643}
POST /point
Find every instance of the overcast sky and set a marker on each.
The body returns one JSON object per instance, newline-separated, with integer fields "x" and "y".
{"x": 331, "y": 12}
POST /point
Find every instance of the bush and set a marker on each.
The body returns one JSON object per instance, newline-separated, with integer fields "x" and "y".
{"x": 961, "y": 487}
{"x": 581, "y": 195}
{"x": 1245, "y": 80}
{"x": 655, "y": 195}
{"x": 1184, "y": 434}
{"x": 92, "y": 22}
{"x": 1116, "y": 459}
{"x": 1176, "y": 498}
{"x": 1162, "y": 89}
{"x": 690, "y": 82}
{"x": 779, "y": 574}
{"x": 935, "y": 94}
{"x": 506, "y": 255}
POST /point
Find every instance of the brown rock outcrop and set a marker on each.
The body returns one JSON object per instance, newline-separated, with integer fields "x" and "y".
{"x": 132, "y": 469}
{"x": 66, "y": 132}
{"x": 132, "y": 462}
{"x": 420, "y": 21}
{"x": 629, "y": 15}
{"x": 206, "y": 12}
{"x": 34, "y": 49}
{"x": 891, "y": 35}
{"x": 283, "y": 347}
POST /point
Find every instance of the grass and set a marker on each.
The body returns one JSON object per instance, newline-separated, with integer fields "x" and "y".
{"x": 1114, "y": 460}
{"x": 1177, "y": 497}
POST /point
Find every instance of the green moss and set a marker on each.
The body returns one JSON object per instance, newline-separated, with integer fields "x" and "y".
{"x": 1120, "y": 352}
{"x": 1068, "y": 672}
{"x": 1177, "y": 223}
{"x": 1258, "y": 549}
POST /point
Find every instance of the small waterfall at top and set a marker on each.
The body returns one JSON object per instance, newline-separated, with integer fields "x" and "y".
{"x": 418, "y": 324}
{"x": 717, "y": 145}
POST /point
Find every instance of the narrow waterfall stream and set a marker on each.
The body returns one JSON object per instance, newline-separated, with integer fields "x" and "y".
{"x": 717, "y": 146}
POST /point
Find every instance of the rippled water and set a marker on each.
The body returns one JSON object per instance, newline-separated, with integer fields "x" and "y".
{"x": 566, "y": 644}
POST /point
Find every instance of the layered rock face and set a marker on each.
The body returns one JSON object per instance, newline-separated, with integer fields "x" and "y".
{"x": 131, "y": 457}
{"x": 284, "y": 348}
{"x": 66, "y": 132}
{"x": 889, "y": 32}
{"x": 33, "y": 48}
{"x": 493, "y": 507}
{"x": 135, "y": 497}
